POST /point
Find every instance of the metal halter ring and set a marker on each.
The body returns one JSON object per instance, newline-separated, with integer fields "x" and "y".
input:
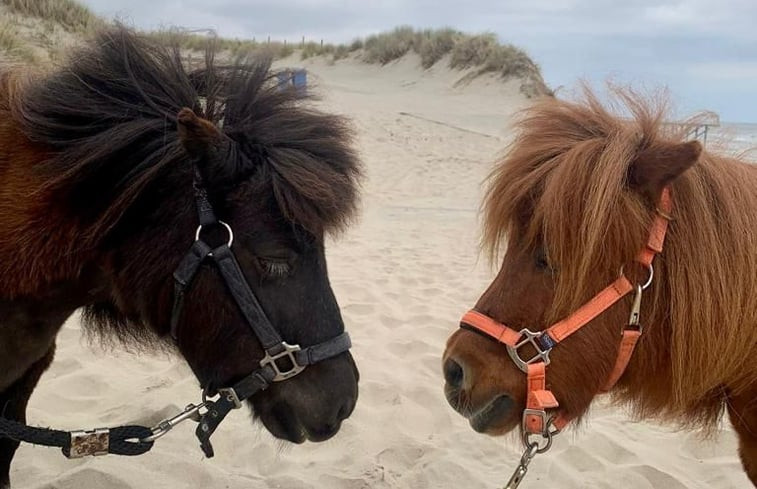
{"x": 228, "y": 230}
{"x": 650, "y": 271}
{"x": 549, "y": 432}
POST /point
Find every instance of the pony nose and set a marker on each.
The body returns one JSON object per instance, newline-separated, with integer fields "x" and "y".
{"x": 453, "y": 374}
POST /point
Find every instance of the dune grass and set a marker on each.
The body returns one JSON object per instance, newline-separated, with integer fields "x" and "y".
{"x": 13, "y": 46}
{"x": 70, "y": 14}
{"x": 481, "y": 53}
{"x": 8, "y": 38}
{"x": 232, "y": 48}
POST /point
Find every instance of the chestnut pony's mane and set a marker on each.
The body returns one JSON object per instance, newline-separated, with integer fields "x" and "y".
{"x": 564, "y": 186}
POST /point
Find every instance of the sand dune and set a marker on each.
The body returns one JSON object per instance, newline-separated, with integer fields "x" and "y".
{"x": 403, "y": 275}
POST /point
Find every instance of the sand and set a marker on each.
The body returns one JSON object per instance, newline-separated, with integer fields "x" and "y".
{"x": 403, "y": 276}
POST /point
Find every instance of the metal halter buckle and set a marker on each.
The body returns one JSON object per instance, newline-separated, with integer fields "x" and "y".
{"x": 231, "y": 395}
{"x": 285, "y": 372}
{"x": 530, "y": 337}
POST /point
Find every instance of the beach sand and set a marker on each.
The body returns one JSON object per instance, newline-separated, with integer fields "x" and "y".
{"x": 403, "y": 275}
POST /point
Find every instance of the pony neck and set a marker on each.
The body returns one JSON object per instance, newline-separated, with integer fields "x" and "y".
{"x": 38, "y": 239}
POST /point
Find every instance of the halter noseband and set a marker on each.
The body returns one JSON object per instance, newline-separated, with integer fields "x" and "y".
{"x": 539, "y": 399}
{"x": 282, "y": 361}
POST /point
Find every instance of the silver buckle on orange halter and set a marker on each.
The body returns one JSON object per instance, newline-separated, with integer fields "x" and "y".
{"x": 540, "y": 341}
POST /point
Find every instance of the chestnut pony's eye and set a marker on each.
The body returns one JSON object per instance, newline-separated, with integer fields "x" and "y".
{"x": 540, "y": 258}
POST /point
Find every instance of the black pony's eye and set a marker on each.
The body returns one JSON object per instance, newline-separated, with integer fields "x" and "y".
{"x": 275, "y": 268}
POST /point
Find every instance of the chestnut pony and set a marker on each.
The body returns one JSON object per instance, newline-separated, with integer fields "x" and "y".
{"x": 573, "y": 200}
{"x": 97, "y": 209}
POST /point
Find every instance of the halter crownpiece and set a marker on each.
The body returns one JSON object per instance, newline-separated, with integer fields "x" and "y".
{"x": 536, "y": 420}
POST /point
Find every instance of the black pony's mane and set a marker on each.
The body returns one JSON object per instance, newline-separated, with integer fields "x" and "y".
{"x": 109, "y": 120}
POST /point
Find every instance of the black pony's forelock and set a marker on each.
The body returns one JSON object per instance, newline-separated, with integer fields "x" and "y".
{"x": 109, "y": 119}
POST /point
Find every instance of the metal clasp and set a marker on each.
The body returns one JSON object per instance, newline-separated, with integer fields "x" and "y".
{"x": 84, "y": 443}
{"x": 286, "y": 371}
{"x": 192, "y": 411}
{"x": 650, "y": 275}
{"x": 530, "y": 338}
{"x": 522, "y": 469}
{"x": 533, "y": 448}
{"x": 634, "y": 321}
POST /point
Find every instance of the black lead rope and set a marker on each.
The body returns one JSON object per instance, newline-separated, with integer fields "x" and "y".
{"x": 123, "y": 440}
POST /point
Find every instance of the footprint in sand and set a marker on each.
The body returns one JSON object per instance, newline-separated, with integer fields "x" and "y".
{"x": 89, "y": 477}
{"x": 658, "y": 478}
{"x": 360, "y": 309}
{"x": 580, "y": 459}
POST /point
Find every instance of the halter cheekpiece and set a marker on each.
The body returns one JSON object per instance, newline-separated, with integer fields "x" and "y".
{"x": 282, "y": 361}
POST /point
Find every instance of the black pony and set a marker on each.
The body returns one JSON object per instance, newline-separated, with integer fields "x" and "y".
{"x": 98, "y": 178}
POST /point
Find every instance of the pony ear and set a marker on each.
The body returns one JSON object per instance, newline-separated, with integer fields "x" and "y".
{"x": 198, "y": 136}
{"x": 654, "y": 168}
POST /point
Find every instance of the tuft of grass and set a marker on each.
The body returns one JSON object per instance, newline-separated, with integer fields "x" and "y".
{"x": 314, "y": 49}
{"x": 70, "y": 14}
{"x": 13, "y": 46}
{"x": 435, "y": 44}
{"x": 473, "y": 51}
{"x": 277, "y": 50}
{"x": 388, "y": 46}
{"x": 356, "y": 45}
{"x": 8, "y": 38}
{"x": 341, "y": 52}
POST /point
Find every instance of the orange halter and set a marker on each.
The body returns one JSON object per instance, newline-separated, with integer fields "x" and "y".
{"x": 539, "y": 398}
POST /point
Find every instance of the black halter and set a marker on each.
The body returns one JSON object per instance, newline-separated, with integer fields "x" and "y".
{"x": 282, "y": 361}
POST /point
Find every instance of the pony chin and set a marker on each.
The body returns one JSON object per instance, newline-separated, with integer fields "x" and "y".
{"x": 282, "y": 424}
{"x": 499, "y": 427}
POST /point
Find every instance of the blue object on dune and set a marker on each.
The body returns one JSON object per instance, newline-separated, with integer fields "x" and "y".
{"x": 300, "y": 79}
{"x": 292, "y": 78}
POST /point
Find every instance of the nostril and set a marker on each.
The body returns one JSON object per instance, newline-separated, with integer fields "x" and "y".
{"x": 453, "y": 373}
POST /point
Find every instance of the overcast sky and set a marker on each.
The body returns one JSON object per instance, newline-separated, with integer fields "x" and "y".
{"x": 705, "y": 51}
